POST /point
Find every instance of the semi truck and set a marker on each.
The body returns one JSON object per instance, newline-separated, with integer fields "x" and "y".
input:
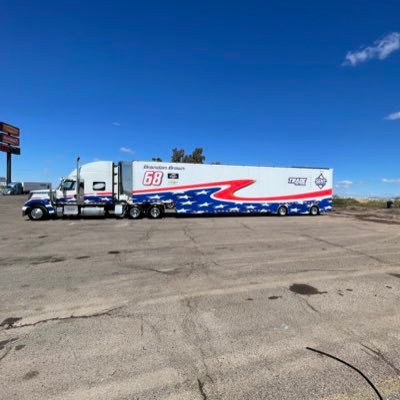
{"x": 139, "y": 189}
{"x": 16, "y": 188}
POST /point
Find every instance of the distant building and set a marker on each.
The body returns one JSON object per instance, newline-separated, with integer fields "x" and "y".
{"x": 2, "y": 181}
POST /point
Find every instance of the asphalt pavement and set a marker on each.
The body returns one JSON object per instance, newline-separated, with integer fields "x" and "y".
{"x": 199, "y": 308}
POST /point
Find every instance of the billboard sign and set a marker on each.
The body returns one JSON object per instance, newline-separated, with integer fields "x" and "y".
{"x": 10, "y": 149}
{"x": 9, "y": 129}
{"x": 8, "y": 139}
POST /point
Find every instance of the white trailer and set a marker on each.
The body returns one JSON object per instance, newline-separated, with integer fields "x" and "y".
{"x": 145, "y": 188}
{"x": 16, "y": 188}
{"x": 29, "y": 186}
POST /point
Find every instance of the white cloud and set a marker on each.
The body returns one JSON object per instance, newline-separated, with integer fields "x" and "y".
{"x": 393, "y": 116}
{"x": 346, "y": 184}
{"x": 116, "y": 123}
{"x": 126, "y": 150}
{"x": 393, "y": 181}
{"x": 381, "y": 49}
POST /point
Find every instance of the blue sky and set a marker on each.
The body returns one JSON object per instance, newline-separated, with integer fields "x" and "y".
{"x": 259, "y": 83}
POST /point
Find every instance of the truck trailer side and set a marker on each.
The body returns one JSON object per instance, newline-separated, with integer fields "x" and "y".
{"x": 214, "y": 189}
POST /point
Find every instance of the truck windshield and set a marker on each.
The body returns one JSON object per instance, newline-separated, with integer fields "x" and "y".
{"x": 68, "y": 184}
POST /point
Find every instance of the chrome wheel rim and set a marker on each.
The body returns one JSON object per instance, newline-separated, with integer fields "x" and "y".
{"x": 282, "y": 211}
{"x": 155, "y": 212}
{"x": 135, "y": 212}
{"x": 37, "y": 213}
{"x": 314, "y": 210}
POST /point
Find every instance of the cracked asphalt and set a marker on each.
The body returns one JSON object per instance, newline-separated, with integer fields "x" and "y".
{"x": 199, "y": 308}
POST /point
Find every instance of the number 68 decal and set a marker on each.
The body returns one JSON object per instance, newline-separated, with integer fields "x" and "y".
{"x": 152, "y": 178}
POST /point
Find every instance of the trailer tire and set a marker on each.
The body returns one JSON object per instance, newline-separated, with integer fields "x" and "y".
{"x": 314, "y": 210}
{"x": 155, "y": 212}
{"x": 37, "y": 213}
{"x": 135, "y": 212}
{"x": 282, "y": 211}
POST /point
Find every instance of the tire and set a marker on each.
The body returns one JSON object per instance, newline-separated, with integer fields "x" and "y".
{"x": 37, "y": 213}
{"x": 135, "y": 212}
{"x": 155, "y": 212}
{"x": 282, "y": 211}
{"x": 314, "y": 210}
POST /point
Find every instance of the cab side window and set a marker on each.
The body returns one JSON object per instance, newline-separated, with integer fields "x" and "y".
{"x": 69, "y": 185}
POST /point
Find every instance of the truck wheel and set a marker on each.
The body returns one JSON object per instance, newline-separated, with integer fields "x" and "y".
{"x": 37, "y": 213}
{"x": 135, "y": 212}
{"x": 282, "y": 211}
{"x": 155, "y": 212}
{"x": 314, "y": 210}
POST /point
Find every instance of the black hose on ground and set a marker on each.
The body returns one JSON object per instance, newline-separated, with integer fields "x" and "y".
{"x": 346, "y": 363}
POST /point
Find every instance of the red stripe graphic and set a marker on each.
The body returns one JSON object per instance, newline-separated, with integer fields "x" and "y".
{"x": 98, "y": 193}
{"x": 228, "y": 193}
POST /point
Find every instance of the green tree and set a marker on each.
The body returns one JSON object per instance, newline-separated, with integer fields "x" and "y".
{"x": 158, "y": 159}
{"x": 179, "y": 156}
{"x": 196, "y": 157}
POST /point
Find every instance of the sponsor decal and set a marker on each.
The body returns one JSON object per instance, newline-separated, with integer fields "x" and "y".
{"x": 173, "y": 176}
{"x": 155, "y": 167}
{"x": 164, "y": 167}
{"x": 321, "y": 181}
{"x": 297, "y": 181}
{"x": 152, "y": 178}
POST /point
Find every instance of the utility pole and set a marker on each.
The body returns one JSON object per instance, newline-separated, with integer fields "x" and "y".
{"x": 8, "y": 178}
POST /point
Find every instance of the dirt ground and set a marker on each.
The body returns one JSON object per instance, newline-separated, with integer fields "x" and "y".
{"x": 199, "y": 308}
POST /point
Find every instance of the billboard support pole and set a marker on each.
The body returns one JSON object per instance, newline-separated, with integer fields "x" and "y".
{"x": 8, "y": 181}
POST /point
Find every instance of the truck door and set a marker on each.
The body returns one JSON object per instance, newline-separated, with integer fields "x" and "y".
{"x": 68, "y": 191}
